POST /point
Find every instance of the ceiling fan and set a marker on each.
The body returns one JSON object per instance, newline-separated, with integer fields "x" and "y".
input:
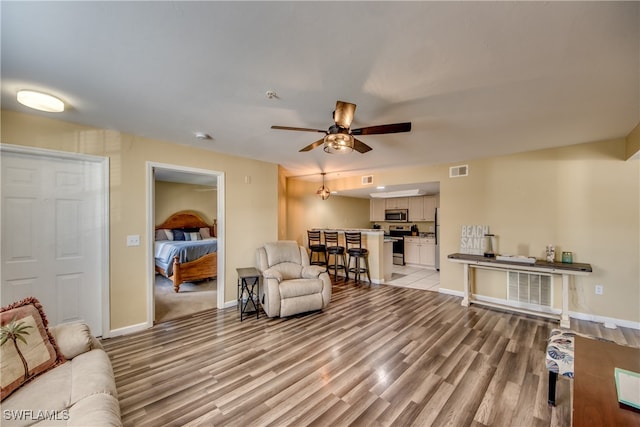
{"x": 340, "y": 137}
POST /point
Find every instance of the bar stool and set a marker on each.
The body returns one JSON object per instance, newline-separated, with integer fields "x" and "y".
{"x": 355, "y": 250}
{"x": 316, "y": 247}
{"x": 333, "y": 248}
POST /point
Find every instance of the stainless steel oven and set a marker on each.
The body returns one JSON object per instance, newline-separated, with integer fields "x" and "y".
{"x": 397, "y": 233}
{"x": 396, "y": 215}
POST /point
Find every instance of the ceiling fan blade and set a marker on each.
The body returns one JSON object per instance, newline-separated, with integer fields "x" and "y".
{"x": 300, "y": 129}
{"x": 360, "y": 146}
{"x": 381, "y": 129}
{"x": 313, "y": 145}
{"x": 343, "y": 116}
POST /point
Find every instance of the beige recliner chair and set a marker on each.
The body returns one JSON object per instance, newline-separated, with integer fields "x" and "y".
{"x": 291, "y": 285}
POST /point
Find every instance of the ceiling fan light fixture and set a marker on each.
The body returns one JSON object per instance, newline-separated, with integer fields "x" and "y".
{"x": 338, "y": 143}
{"x": 40, "y": 101}
{"x": 323, "y": 192}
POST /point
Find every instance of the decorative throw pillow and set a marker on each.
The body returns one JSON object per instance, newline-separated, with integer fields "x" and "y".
{"x": 205, "y": 233}
{"x": 27, "y": 347}
{"x": 161, "y": 235}
{"x": 178, "y": 234}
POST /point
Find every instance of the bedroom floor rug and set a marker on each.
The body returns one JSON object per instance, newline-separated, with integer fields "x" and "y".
{"x": 192, "y": 298}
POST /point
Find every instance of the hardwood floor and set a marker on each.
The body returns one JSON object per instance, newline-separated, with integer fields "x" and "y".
{"x": 377, "y": 356}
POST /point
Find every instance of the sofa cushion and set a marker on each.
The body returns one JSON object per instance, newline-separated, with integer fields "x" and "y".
{"x": 300, "y": 287}
{"x": 91, "y": 373}
{"x": 27, "y": 347}
{"x": 67, "y": 387}
{"x": 100, "y": 410}
{"x": 49, "y": 392}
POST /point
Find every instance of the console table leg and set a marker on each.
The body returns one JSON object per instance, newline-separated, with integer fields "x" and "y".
{"x": 564, "y": 316}
{"x": 467, "y": 279}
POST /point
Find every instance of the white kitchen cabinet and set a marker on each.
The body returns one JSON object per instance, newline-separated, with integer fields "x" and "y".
{"x": 397, "y": 203}
{"x": 412, "y": 250}
{"x": 376, "y": 209}
{"x": 422, "y": 208}
{"x": 420, "y": 251}
{"x": 416, "y": 208}
{"x": 428, "y": 252}
{"x": 429, "y": 206}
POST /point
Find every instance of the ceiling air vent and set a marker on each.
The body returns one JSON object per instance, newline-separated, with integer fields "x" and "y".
{"x": 366, "y": 180}
{"x": 456, "y": 171}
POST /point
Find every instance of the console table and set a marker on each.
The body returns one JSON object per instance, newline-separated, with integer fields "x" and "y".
{"x": 479, "y": 261}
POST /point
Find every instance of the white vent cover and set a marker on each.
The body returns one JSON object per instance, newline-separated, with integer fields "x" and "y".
{"x": 368, "y": 179}
{"x": 529, "y": 289}
{"x": 456, "y": 171}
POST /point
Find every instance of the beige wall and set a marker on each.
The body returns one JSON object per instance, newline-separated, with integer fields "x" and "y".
{"x": 251, "y": 209}
{"x": 582, "y": 198}
{"x": 305, "y": 210}
{"x": 172, "y": 197}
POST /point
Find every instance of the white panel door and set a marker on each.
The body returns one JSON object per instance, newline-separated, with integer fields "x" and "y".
{"x": 52, "y": 235}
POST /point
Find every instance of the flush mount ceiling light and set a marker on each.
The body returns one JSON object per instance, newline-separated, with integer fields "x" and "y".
{"x": 338, "y": 143}
{"x": 398, "y": 193}
{"x": 40, "y": 101}
{"x": 323, "y": 192}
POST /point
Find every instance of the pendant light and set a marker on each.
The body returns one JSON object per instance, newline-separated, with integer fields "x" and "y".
{"x": 323, "y": 192}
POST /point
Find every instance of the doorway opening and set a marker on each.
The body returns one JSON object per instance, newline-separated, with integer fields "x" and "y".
{"x": 175, "y": 189}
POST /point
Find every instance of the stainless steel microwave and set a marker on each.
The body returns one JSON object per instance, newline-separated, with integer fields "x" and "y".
{"x": 396, "y": 215}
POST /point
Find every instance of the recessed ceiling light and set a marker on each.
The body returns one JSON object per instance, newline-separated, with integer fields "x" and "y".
{"x": 40, "y": 101}
{"x": 202, "y": 136}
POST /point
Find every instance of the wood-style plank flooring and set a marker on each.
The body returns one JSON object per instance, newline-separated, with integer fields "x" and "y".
{"x": 377, "y": 356}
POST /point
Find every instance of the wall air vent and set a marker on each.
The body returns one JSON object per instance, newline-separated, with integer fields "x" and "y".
{"x": 366, "y": 180}
{"x": 529, "y": 290}
{"x": 456, "y": 171}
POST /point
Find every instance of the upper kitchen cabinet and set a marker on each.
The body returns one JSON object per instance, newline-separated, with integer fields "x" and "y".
{"x": 397, "y": 203}
{"x": 422, "y": 208}
{"x": 376, "y": 209}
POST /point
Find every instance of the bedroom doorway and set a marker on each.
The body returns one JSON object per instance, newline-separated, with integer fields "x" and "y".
{"x": 172, "y": 189}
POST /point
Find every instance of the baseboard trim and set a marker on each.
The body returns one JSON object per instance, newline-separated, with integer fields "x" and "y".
{"x": 129, "y": 329}
{"x": 451, "y": 292}
{"x": 608, "y": 322}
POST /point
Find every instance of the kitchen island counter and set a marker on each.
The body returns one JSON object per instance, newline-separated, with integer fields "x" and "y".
{"x": 374, "y": 240}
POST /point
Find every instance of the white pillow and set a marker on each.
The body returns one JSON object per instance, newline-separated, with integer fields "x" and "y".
{"x": 192, "y": 236}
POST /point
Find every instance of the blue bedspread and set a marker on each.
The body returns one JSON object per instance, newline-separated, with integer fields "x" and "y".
{"x": 185, "y": 250}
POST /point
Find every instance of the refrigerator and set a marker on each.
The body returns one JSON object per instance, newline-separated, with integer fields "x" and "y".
{"x": 437, "y": 239}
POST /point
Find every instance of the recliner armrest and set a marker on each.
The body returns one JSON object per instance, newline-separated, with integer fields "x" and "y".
{"x": 272, "y": 273}
{"x": 312, "y": 271}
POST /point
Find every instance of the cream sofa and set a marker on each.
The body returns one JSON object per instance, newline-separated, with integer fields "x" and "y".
{"x": 79, "y": 392}
{"x": 290, "y": 285}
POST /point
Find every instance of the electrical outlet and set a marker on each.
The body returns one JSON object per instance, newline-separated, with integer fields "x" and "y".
{"x": 599, "y": 289}
{"x": 133, "y": 240}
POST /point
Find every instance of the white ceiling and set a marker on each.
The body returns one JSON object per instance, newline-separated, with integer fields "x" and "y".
{"x": 476, "y": 79}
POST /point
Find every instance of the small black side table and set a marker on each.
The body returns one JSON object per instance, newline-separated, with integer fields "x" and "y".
{"x": 248, "y": 287}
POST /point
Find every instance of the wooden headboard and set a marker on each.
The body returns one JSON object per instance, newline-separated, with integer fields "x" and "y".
{"x": 188, "y": 219}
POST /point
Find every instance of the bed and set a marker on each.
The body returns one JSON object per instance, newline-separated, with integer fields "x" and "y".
{"x": 186, "y": 248}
